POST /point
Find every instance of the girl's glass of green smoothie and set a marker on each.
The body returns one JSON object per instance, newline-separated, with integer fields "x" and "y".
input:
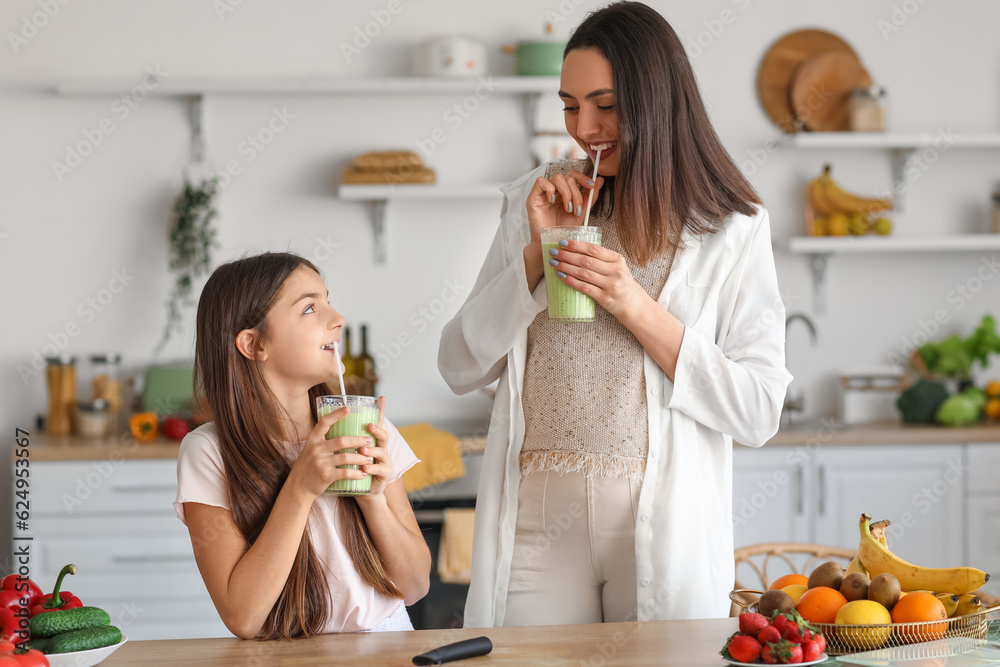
{"x": 363, "y": 410}
{"x": 565, "y": 303}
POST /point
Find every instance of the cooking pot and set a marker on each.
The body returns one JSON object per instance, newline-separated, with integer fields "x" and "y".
{"x": 537, "y": 57}
{"x": 451, "y": 56}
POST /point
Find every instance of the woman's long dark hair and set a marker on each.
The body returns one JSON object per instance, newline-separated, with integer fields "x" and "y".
{"x": 238, "y": 296}
{"x": 673, "y": 171}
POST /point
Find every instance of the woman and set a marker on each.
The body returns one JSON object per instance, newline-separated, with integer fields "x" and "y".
{"x": 606, "y": 490}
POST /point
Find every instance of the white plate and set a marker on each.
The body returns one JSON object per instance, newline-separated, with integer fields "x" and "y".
{"x": 84, "y": 658}
{"x": 822, "y": 658}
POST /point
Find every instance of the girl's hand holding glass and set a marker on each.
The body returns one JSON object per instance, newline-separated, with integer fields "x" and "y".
{"x": 381, "y": 468}
{"x": 316, "y": 467}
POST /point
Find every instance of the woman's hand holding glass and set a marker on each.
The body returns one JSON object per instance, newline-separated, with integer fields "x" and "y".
{"x": 603, "y": 275}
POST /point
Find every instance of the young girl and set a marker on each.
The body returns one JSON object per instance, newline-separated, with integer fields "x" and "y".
{"x": 606, "y": 488}
{"x": 279, "y": 558}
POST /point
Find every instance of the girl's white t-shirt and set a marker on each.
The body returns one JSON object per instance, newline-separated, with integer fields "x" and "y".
{"x": 354, "y": 606}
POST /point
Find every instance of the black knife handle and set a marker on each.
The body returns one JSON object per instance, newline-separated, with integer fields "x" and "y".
{"x": 467, "y": 648}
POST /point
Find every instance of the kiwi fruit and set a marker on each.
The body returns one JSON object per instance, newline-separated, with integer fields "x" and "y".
{"x": 829, "y": 574}
{"x": 855, "y": 586}
{"x": 885, "y": 590}
{"x": 775, "y": 600}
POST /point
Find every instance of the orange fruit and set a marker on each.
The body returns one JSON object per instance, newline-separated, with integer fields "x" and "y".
{"x": 788, "y": 580}
{"x": 821, "y": 604}
{"x": 993, "y": 408}
{"x": 993, "y": 388}
{"x": 918, "y": 607}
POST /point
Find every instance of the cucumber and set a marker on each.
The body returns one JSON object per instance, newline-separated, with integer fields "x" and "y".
{"x": 84, "y": 640}
{"x": 40, "y": 644}
{"x": 52, "y": 623}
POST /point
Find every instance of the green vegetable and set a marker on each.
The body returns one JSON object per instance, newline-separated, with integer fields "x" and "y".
{"x": 953, "y": 357}
{"x": 959, "y": 410}
{"x": 984, "y": 341}
{"x": 978, "y": 395}
{"x": 84, "y": 640}
{"x": 57, "y": 622}
{"x": 919, "y": 403}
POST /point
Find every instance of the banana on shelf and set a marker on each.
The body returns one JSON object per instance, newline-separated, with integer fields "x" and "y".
{"x": 877, "y": 558}
{"x": 833, "y": 211}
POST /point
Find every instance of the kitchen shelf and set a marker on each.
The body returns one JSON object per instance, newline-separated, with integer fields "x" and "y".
{"x": 821, "y": 247}
{"x": 195, "y": 91}
{"x": 381, "y": 195}
{"x": 901, "y": 140}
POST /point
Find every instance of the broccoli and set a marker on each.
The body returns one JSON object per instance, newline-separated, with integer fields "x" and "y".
{"x": 959, "y": 410}
{"x": 953, "y": 357}
{"x": 919, "y": 403}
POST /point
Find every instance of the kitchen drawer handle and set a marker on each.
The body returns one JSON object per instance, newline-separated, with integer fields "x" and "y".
{"x": 799, "y": 487}
{"x": 822, "y": 490}
{"x": 177, "y": 558}
{"x": 143, "y": 488}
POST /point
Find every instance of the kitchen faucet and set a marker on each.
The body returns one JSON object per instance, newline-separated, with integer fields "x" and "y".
{"x": 795, "y": 402}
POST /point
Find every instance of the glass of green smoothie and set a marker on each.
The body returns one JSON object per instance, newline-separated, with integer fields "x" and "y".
{"x": 363, "y": 410}
{"x": 565, "y": 303}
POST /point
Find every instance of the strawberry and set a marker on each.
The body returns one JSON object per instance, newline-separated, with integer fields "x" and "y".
{"x": 792, "y": 632}
{"x": 779, "y": 622}
{"x": 751, "y": 623}
{"x": 769, "y": 634}
{"x": 783, "y": 651}
{"x": 820, "y": 641}
{"x": 810, "y": 650}
{"x": 742, "y": 648}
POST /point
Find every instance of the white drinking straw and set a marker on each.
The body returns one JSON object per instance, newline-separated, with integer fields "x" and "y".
{"x": 340, "y": 371}
{"x": 590, "y": 199}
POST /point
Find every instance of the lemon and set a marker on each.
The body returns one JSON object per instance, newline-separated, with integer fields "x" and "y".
{"x": 839, "y": 224}
{"x": 864, "y": 612}
{"x": 795, "y": 591}
{"x": 883, "y": 226}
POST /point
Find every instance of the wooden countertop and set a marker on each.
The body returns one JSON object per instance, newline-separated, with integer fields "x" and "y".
{"x": 829, "y": 431}
{"x": 680, "y": 643}
{"x": 826, "y": 431}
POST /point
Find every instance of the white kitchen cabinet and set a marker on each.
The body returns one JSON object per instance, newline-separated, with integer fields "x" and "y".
{"x": 919, "y": 488}
{"x": 770, "y": 503}
{"x": 114, "y": 519}
{"x": 983, "y": 510}
{"x": 817, "y": 494}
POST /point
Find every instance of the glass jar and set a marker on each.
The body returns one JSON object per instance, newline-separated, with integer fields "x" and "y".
{"x": 93, "y": 418}
{"x": 105, "y": 382}
{"x": 867, "y": 110}
{"x": 60, "y": 373}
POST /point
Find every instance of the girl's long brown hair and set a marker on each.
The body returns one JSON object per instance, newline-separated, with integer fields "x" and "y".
{"x": 238, "y": 296}
{"x": 673, "y": 171}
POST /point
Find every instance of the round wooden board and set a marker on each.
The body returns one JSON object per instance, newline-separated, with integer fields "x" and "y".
{"x": 774, "y": 77}
{"x": 821, "y": 90}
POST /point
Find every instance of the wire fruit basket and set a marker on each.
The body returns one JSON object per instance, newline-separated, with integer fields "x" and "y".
{"x": 842, "y": 639}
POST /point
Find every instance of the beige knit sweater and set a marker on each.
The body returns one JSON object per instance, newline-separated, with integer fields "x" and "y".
{"x": 584, "y": 395}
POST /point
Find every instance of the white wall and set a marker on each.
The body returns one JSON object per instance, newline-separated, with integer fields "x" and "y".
{"x": 60, "y": 242}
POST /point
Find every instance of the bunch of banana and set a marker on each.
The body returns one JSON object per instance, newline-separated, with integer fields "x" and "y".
{"x": 836, "y": 212}
{"x": 876, "y": 559}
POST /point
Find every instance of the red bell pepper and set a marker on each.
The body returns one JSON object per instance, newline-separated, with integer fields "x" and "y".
{"x": 18, "y": 590}
{"x": 57, "y": 600}
{"x": 175, "y": 428}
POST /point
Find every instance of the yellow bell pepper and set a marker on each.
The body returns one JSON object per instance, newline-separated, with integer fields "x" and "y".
{"x": 144, "y": 426}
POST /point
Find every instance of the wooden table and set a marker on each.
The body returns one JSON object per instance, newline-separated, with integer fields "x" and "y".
{"x": 681, "y": 643}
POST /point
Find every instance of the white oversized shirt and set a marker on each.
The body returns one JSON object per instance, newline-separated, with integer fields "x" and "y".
{"x": 729, "y": 383}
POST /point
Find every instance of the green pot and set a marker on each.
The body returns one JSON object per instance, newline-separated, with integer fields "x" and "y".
{"x": 540, "y": 58}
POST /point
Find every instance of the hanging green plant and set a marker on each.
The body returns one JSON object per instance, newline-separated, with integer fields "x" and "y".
{"x": 192, "y": 238}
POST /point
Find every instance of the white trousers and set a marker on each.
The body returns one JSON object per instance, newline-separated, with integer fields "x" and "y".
{"x": 574, "y": 551}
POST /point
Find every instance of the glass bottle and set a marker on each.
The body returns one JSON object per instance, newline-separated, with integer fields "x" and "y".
{"x": 366, "y": 364}
{"x": 106, "y": 384}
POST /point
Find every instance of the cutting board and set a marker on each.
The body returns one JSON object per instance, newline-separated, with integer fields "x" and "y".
{"x": 777, "y": 67}
{"x": 821, "y": 90}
